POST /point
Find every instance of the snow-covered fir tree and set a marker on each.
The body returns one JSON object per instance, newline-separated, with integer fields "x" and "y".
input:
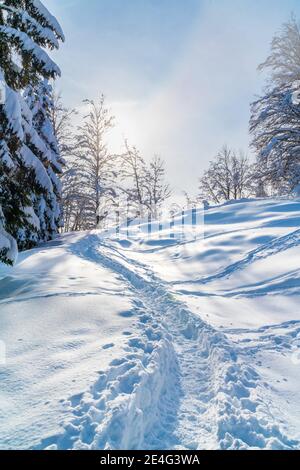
{"x": 275, "y": 117}
{"x": 47, "y": 204}
{"x": 8, "y": 245}
{"x": 12, "y": 192}
{"x": 275, "y": 125}
{"x": 26, "y": 156}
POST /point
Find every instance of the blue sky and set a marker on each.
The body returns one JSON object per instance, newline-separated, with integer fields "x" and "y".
{"x": 178, "y": 74}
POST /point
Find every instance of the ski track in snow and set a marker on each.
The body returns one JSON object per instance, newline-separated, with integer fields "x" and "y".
{"x": 180, "y": 385}
{"x": 277, "y": 245}
{"x": 284, "y": 284}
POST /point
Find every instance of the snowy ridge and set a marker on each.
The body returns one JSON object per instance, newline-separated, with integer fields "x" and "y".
{"x": 212, "y": 398}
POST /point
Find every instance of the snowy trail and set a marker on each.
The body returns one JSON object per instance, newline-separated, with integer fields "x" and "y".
{"x": 182, "y": 384}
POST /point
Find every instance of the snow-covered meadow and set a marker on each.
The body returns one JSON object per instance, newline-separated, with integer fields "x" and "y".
{"x": 130, "y": 343}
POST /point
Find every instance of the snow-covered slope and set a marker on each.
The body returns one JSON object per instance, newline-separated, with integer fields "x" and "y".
{"x": 127, "y": 344}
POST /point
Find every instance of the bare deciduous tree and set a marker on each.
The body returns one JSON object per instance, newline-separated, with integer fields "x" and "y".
{"x": 61, "y": 118}
{"x": 157, "y": 190}
{"x": 95, "y": 163}
{"x": 133, "y": 177}
{"x": 98, "y": 185}
{"x": 145, "y": 185}
{"x": 229, "y": 176}
{"x": 72, "y": 200}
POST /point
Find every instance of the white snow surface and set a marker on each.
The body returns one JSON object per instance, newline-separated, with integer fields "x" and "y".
{"x": 157, "y": 344}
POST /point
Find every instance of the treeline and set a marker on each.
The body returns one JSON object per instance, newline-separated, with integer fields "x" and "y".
{"x": 274, "y": 129}
{"x": 97, "y": 184}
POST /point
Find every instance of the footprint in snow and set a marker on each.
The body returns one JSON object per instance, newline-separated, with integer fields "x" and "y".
{"x": 137, "y": 343}
{"x": 127, "y": 314}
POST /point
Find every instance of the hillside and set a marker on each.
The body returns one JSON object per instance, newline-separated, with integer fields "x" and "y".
{"x": 129, "y": 343}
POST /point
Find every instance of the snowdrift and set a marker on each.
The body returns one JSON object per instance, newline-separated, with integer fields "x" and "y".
{"x": 157, "y": 342}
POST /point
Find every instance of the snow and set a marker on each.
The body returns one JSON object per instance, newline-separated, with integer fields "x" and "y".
{"x": 12, "y": 110}
{"x": 33, "y": 26}
{"x": 51, "y": 20}
{"x": 28, "y": 45}
{"x": 5, "y": 156}
{"x": 46, "y": 363}
{"x": 8, "y": 245}
{"x": 157, "y": 343}
{"x": 31, "y": 161}
{"x": 32, "y": 217}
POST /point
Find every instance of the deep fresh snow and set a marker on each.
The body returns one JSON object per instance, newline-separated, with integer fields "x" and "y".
{"x": 157, "y": 344}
